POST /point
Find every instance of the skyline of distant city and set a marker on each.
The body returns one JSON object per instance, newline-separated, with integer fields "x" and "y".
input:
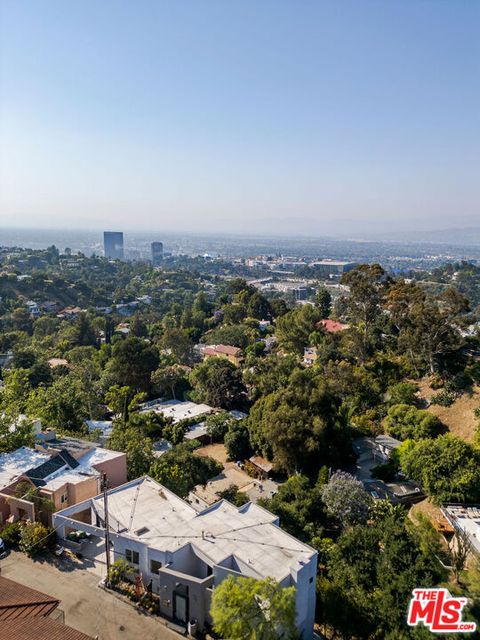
{"x": 397, "y": 256}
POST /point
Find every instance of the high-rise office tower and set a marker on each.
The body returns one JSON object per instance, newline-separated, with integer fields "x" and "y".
{"x": 113, "y": 244}
{"x": 157, "y": 253}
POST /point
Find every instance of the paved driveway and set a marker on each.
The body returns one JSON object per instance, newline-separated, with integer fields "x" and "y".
{"x": 87, "y": 608}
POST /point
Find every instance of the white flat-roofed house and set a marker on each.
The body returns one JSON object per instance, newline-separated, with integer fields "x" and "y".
{"x": 177, "y": 410}
{"x": 466, "y": 518}
{"x": 198, "y": 432}
{"x": 103, "y": 428}
{"x": 186, "y": 553}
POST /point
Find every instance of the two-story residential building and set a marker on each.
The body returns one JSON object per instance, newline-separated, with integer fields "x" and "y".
{"x": 64, "y": 474}
{"x": 186, "y": 553}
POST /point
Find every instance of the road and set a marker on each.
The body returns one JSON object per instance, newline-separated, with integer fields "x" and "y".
{"x": 87, "y": 607}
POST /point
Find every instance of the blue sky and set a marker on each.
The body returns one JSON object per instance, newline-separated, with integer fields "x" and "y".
{"x": 270, "y": 116}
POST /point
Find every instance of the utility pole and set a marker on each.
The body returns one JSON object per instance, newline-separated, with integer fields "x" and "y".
{"x": 106, "y": 526}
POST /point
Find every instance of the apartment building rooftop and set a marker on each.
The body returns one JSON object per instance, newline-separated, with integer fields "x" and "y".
{"x": 54, "y": 462}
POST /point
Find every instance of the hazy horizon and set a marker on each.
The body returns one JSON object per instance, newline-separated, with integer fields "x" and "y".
{"x": 332, "y": 119}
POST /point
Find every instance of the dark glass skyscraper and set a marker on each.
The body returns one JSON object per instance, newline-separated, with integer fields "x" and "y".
{"x": 157, "y": 253}
{"x": 113, "y": 244}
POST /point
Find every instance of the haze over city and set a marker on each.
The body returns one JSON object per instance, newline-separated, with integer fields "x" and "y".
{"x": 328, "y": 118}
{"x": 239, "y": 319}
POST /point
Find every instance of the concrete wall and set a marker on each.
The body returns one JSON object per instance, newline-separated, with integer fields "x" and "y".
{"x": 81, "y": 491}
{"x": 75, "y": 492}
{"x": 4, "y": 509}
{"x": 304, "y": 579}
{"x": 186, "y": 561}
{"x": 115, "y": 468}
{"x": 19, "y": 509}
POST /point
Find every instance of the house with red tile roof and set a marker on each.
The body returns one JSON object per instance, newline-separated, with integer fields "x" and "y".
{"x": 233, "y": 354}
{"x": 331, "y": 326}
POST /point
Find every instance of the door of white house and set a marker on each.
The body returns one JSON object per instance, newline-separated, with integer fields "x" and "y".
{"x": 180, "y": 607}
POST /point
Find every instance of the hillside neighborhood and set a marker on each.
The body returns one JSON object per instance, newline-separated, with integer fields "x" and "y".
{"x": 199, "y": 441}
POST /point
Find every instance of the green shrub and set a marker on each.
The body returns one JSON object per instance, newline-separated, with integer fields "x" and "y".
{"x": 476, "y": 437}
{"x": 76, "y": 536}
{"x": 368, "y": 423}
{"x": 474, "y": 372}
{"x": 385, "y": 472}
{"x": 403, "y": 393}
{"x": 459, "y": 382}
{"x": 444, "y": 398}
{"x": 405, "y": 421}
{"x": 35, "y": 537}
{"x": 10, "y": 534}
{"x": 118, "y": 571}
{"x": 437, "y": 383}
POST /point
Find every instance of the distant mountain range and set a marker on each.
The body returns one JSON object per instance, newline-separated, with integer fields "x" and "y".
{"x": 453, "y": 236}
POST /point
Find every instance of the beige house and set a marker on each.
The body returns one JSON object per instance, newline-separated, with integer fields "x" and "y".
{"x": 232, "y": 354}
{"x": 34, "y": 482}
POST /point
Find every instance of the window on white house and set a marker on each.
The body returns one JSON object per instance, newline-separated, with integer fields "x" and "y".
{"x": 132, "y": 556}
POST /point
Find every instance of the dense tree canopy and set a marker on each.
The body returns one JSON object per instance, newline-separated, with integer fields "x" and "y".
{"x": 218, "y": 383}
{"x": 133, "y": 361}
{"x": 404, "y": 421}
{"x": 370, "y": 577}
{"x": 447, "y": 467}
{"x": 180, "y": 470}
{"x": 299, "y": 428}
{"x": 294, "y": 329}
